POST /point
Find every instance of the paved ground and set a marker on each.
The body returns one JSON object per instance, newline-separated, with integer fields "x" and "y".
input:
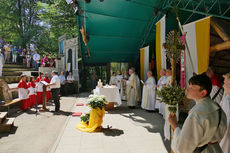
{"x": 36, "y": 133}
{"x": 133, "y": 131}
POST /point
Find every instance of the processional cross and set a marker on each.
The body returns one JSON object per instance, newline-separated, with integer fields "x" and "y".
{"x": 173, "y": 47}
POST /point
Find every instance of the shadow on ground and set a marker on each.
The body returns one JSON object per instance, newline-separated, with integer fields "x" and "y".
{"x": 152, "y": 121}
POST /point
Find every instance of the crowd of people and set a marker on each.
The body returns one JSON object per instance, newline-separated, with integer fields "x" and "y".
{"x": 18, "y": 55}
{"x": 207, "y": 126}
{"x": 31, "y": 93}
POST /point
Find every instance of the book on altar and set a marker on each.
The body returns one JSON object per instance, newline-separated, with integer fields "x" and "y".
{"x": 45, "y": 83}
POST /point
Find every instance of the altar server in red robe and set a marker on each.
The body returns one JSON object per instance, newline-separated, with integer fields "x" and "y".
{"x": 23, "y": 92}
{"x": 39, "y": 88}
{"x": 48, "y": 90}
{"x": 32, "y": 93}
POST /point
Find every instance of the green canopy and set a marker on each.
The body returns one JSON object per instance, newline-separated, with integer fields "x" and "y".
{"x": 117, "y": 29}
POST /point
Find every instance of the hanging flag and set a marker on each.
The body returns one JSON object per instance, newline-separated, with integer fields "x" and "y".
{"x": 198, "y": 41}
{"x": 160, "y": 51}
{"x": 144, "y": 62}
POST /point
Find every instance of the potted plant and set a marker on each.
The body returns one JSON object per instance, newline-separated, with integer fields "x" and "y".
{"x": 92, "y": 122}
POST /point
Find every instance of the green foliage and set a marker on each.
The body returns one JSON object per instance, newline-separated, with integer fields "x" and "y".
{"x": 37, "y": 22}
{"x": 85, "y": 118}
{"x": 97, "y": 101}
{"x": 171, "y": 95}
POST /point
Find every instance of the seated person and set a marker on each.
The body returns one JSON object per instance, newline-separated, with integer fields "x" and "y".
{"x": 70, "y": 86}
{"x": 70, "y": 78}
{"x": 62, "y": 81}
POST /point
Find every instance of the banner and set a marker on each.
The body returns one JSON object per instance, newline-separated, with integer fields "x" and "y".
{"x": 198, "y": 41}
{"x": 160, "y": 51}
{"x": 144, "y": 62}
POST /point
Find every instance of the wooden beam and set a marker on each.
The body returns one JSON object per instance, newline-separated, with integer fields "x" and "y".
{"x": 220, "y": 47}
{"x": 220, "y": 31}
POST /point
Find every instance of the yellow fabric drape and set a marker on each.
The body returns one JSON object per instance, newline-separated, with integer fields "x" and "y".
{"x": 203, "y": 44}
{"x": 158, "y": 48}
{"x": 142, "y": 62}
{"x": 95, "y": 120}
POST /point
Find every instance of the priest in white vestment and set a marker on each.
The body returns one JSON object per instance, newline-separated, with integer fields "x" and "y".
{"x": 225, "y": 104}
{"x": 132, "y": 89}
{"x": 205, "y": 125}
{"x": 149, "y": 93}
{"x": 161, "y": 83}
{"x": 113, "y": 79}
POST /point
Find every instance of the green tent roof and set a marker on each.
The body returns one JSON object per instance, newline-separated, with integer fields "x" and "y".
{"x": 119, "y": 28}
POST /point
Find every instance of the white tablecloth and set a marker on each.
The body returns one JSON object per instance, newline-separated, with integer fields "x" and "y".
{"x": 111, "y": 93}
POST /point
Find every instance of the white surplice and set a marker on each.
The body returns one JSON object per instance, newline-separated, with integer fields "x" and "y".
{"x": 160, "y": 105}
{"x": 200, "y": 128}
{"x": 225, "y": 142}
{"x": 149, "y": 94}
{"x": 113, "y": 80}
{"x": 213, "y": 93}
{"x": 119, "y": 78}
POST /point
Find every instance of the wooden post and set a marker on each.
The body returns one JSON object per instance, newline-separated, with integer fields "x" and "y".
{"x": 44, "y": 99}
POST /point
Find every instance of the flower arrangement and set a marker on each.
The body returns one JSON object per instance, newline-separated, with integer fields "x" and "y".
{"x": 85, "y": 118}
{"x": 171, "y": 95}
{"x": 97, "y": 101}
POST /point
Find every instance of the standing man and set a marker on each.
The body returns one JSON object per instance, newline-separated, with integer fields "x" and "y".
{"x": 1, "y": 62}
{"x": 119, "y": 78}
{"x": 161, "y": 83}
{"x": 205, "y": 125}
{"x": 36, "y": 58}
{"x": 55, "y": 89}
{"x": 149, "y": 94}
{"x": 132, "y": 89}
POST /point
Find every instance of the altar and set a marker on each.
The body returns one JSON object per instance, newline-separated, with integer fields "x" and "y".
{"x": 111, "y": 93}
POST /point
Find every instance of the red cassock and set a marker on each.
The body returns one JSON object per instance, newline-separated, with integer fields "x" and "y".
{"x": 23, "y": 94}
{"x": 32, "y": 96}
{"x": 39, "y": 90}
{"x": 48, "y": 91}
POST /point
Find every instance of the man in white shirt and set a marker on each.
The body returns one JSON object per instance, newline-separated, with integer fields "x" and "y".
{"x": 205, "y": 125}
{"x": 36, "y": 58}
{"x": 55, "y": 89}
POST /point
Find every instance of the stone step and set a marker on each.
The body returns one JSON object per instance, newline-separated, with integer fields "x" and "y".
{"x": 2, "y": 116}
{"x": 8, "y": 73}
{"x": 12, "y": 79}
{"x": 6, "y": 125}
{"x": 14, "y": 66}
{"x": 17, "y": 69}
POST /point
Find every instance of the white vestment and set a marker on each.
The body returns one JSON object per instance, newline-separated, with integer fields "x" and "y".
{"x": 119, "y": 78}
{"x": 218, "y": 98}
{"x": 149, "y": 94}
{"x": 139, "y": 87}
{"x": 131, "y": 87}
{"x": 200, "y": 128}
{"x": 113, "y": 80}
{"x": 225, "y": 142}
{"x": 160, "y": 105}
